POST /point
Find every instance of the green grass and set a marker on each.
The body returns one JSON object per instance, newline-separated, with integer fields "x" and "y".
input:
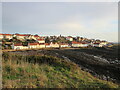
{"x": 46, "y": 72}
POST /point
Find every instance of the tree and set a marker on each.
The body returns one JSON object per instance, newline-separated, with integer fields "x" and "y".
{"x": 25, "y": 43}
{"x": 54, "y": 41}
{"x": 47, "y": 40}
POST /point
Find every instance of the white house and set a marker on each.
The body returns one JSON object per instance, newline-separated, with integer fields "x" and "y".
{"x": 36, "y": 37}
{"x": 97, "y": 45}
{"x": 7, "y": 36}
{"x": 41, "y": 45}
{"x": 69, "y": 38}
{"x": 84, "y": 44}
{"x": 33, "y": 45}
{"x": 21, "y": 36}
{"x": 31, "y": 37}
{"x": 55, "y": 45}
{"x": 104, "y": 43}
{"x": 41, "y": 40}
{"x": 64, "y": 45}
{"x": 47, "y": 45}
{"x": 1, "y": 36}
{"x": 79, "y": 44}
{"x": 17, "y": 46}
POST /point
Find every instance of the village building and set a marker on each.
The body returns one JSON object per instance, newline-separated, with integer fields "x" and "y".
{"x": 41, "y": 45}
{"x": 36, "y": 37}
{"x": 47, "y": 45}
{"x": 30, "y": 37}
{"x": 79, "y": 44}
{"x": 97, "y": 45}
{"x": 18, "y": 46}
{"x": 85, "y": 44}
{"x": 69, "y": 38}
{"x": 36, "y": 45}
{"x": 104, "y": 43}
{"x": 1, "y": 36}
{"x": 33, "y": 45}
{"x": 55, "y": 45}
{"x": 100, "y": 44}
{"x": 64, "y": 45}
{"x": 79, "y": 38}
{"x": 21, "y": 36}
{"x": 41, "y": 40}
{"x": 7, "y": 36}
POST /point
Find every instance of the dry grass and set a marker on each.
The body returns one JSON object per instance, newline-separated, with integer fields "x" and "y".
{"x": 46, "y": 72}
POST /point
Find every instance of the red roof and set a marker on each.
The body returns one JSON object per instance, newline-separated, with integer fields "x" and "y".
{"x": 96, "y": 43}
{"x": 40, "y": 39}
{"x": 7, "y": 34}
{"x": 22, "y": 35}
{"x": 18, "y": 44}
{"x": 84, "y": 42}
{"x": 36, "y": 36}
{"x": 41, "y": 43}
{"x": 76, "y": 42}
{"x": 64, "y": 44}
{"x": 33, "y": 43}
{"x": 47, "y": 43}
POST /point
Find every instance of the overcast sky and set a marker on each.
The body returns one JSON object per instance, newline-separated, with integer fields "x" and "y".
{"x": 87, "y": 19}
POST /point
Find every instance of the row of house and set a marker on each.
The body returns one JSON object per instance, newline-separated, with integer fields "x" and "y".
{"x": 6, "y": 36}
{"x": 40, "y": 41}
{"x": 42, "y": 44}
{"x": 19, "y": 36}
{"x": 39, "y": 45}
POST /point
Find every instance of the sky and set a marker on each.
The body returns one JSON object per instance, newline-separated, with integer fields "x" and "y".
{"x": 94, "y": 20}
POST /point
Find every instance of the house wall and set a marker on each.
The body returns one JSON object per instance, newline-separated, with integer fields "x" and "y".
{"x": 64, "y": 45}
{"x": 1, "y": 36}
{"x": 54, "y": 45}
{"x": 17, "y": 47}
{"x": 84, "y": 45}
{"x": 32, "y": 46}
{"x": 41, "y": 46}
{"x": 8, "y": 37}
{"x": 70, "y": 39}
{"x": 76, "y": 45}
{"x": 20, "y": 37}
{"x": 41, "y": 41}
{"x": 97, "y": 45}
{"x": 47, "y": 46}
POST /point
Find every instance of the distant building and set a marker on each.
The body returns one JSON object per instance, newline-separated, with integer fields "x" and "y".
{"x": 64, "y": 45}
{"x": 1, "y": 36}
{"x": 41, "y": 45}
{"x": 104, "y": 43}
{"x": 97, "y": 45}
{"x": 36, "y": 45}
{"x": 69, "y": 38}
{"x": 21, "y": 36}
{"x": 18, "y": 46}
{"x": 36, "y": 37}
{"x": 7, "y": 36}
{"x": 47, "y": 45}
{"x": 79, "y": 44}
{"x": 41, "y": 40}
{"x": 33, "y": 45}
{"x": 55, "y": 45}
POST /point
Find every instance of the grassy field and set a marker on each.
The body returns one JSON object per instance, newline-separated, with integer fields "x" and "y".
{"x": 43, "y": 71}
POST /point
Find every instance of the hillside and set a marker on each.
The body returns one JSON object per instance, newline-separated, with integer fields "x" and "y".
{"x": 44, "y": 71}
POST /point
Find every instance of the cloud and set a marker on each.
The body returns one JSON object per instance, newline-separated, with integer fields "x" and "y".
{"x": 93, "y": 20}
